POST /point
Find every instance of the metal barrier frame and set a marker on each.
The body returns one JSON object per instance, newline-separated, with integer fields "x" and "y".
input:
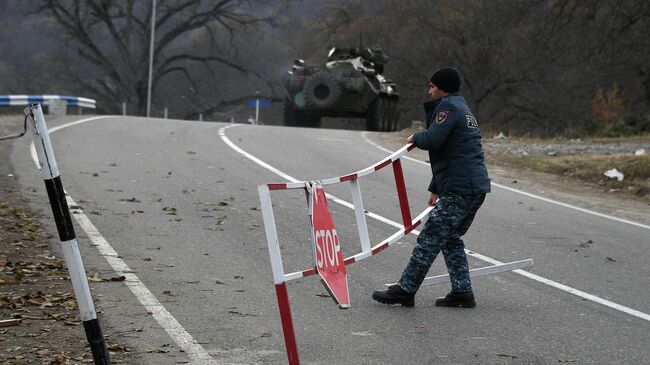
{"x": 280, "y": 277}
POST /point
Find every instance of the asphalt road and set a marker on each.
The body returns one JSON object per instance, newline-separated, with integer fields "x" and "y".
{"x": 180, "y": 208}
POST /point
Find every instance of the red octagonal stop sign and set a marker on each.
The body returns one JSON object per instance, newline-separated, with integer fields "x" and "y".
{"x": 327, "y": 250}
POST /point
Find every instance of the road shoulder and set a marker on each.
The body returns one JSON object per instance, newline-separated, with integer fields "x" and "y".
{"x": 550, "y": 186}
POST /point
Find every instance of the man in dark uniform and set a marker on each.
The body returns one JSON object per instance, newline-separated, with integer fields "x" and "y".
{"x": 458, "y": 187}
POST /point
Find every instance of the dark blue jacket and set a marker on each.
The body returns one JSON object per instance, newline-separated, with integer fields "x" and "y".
{"x": 453, "y": 139}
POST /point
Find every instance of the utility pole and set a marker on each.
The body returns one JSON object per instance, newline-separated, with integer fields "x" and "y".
{"x": 153, "y": 34}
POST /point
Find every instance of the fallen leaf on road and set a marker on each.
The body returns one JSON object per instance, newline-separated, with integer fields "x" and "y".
{"x": 506, "y": 355}
{"x": 95, "y": 278}
{"x": 58, "y": 316}
{"x": 242, "y": 314}
{"x": 263, "y": 335}
{"x": 116, "y": 346}
{"x": 70, "y": 304}
{"x": 586, "y": 244}
{"x": 158, "y": 350}
{"x": 169, "y": 210}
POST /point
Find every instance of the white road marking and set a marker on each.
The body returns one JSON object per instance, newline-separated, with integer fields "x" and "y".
{"x": 568, "y": 289}
{"x": 182, "y": 338}
{"x": 331, "y": 139}
{"x": 364, "y": 135}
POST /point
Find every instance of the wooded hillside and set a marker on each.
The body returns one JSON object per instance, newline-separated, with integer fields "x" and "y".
{"x": 530, "y": 67}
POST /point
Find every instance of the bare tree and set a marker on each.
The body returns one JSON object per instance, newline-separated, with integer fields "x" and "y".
{"x": 113, "y": 38}
{"x": 529, "y": 66}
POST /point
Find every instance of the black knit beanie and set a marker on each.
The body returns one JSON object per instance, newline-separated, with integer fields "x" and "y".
{"x": 446, "y": 79}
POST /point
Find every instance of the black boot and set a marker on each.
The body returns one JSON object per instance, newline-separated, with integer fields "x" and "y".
{"x": 463, "y": 300}
{"x": 394, "y": 295}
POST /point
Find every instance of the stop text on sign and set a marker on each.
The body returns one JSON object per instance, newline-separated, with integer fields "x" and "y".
{"x": 327, "y": 248}
{"x": 328, "y": 257}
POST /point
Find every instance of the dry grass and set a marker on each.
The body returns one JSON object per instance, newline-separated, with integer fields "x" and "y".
{"x": 591, "y": 168}
{"x": 579, "y": 168}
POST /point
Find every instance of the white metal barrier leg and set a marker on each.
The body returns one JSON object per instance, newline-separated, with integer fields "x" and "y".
{"x": 360, "y": 214}
{"x": 278, "y": 275}
{"x": 483, "y": 271}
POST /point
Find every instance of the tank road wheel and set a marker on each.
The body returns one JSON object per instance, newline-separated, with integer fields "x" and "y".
{"x": 322, "y": 91}
{"x": 289, "y": 114}
{"x": 388, "y": 120}
{"x": 376, "y": 114}
{"x": 393, "y": 118}
{"x": 315, "y": 121}
{"x": 389, "y": 116}
{"x": 297, "y": 118}
{"x": 396, "y": 119}
{"x": 384, "y": 119}
{"x": 310, "y": 120}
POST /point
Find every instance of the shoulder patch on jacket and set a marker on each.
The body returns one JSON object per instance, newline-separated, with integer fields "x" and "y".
{"x": 442, "y": 116}
{"x": 471, "y": 121}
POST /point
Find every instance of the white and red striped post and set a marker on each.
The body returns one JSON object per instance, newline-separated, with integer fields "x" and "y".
{"x": 71, "y": 253}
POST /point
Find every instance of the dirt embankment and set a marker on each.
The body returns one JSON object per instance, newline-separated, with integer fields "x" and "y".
{"x": 615, "y": 167}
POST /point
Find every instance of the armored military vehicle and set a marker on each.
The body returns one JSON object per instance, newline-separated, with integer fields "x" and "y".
{"x": 351, "y": 84}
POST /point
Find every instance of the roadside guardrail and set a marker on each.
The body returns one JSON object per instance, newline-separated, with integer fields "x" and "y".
{"x": 18, "y": 100}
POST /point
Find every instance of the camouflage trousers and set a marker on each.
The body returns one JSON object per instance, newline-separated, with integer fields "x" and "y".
{"x": 449, "y": 220}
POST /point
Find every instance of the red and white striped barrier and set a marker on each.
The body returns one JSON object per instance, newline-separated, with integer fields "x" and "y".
{"x": 280, "y": 277}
